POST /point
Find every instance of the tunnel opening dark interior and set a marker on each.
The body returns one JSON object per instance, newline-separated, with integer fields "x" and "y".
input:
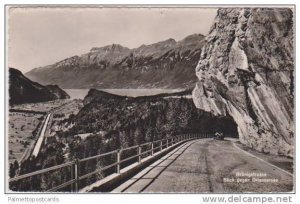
{"x": 205, "y": 122}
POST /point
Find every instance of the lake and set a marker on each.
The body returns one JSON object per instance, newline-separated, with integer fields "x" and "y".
{"x": 81, "y": 93}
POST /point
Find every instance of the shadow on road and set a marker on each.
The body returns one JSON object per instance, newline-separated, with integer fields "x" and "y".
{"x": 171, "y": 157}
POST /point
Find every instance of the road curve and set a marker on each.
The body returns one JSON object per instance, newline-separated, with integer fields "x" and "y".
{"x": 200, "y": 166}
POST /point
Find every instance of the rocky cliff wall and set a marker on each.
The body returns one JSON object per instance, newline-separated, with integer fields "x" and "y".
{"x": 246, "y": 70}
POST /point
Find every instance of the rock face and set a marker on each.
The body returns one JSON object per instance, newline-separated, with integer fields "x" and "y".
{"x": 144, "y": 118}
{"x": 246, "y": 70}
{"x": 165, "y": 64}
{"x": 58, "y": 92}
{"x": 23, "y": 90}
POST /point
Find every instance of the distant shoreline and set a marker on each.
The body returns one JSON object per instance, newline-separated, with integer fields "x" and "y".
{"x": 81, "y": 93}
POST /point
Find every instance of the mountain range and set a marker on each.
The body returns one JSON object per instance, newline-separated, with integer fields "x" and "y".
{"x": 165, "y": 64}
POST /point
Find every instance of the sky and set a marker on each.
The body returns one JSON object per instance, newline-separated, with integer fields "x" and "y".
{"x": 43, "y": 36}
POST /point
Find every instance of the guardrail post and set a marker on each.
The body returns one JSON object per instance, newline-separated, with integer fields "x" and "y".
{"x": 118, "y": 161}
{"x": 167, "y": 143}
{"x": 172, "y": 141}
{"x": 72, "y": 177}
{"x": 76, "y": 171}
{"x": 139, "y": 154}
{"x": 151, "y": 148}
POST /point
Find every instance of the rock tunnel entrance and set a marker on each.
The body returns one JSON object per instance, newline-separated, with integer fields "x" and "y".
{"x": 208, "y": 123}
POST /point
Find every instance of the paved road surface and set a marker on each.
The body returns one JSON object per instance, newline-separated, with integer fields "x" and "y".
{"x": 201, "y": 165}
{"x": 38, "y": 144}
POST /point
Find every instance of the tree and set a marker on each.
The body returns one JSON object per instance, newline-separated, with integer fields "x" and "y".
{"x": 12, "y": 171}
{"x": 12, "y": 168}
{"x": 16, "y": 164}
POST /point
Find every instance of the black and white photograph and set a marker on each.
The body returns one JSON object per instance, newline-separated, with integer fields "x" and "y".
{"x": 150, "y": 99}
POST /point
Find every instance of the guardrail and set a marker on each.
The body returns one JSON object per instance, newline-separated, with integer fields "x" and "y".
{"x": 119, "y": 158}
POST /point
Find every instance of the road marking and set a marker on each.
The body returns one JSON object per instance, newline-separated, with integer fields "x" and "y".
{"x": 289, "y": 173}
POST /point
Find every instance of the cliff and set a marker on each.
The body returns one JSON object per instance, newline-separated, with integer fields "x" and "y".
{"x": 144, "y": 118}
{"x": 58, "y": 92}
{"x": 23, "y": 90}
{"x": 165, "y": 64}
{"x": 246, "y": 70}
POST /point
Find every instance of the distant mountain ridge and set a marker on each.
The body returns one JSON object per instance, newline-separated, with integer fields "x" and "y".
{"x": 165, "y": 64}
{"x": 23, "y": 90}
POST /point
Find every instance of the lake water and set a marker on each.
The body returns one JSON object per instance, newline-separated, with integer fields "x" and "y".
{"x": 81, "y": 93}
